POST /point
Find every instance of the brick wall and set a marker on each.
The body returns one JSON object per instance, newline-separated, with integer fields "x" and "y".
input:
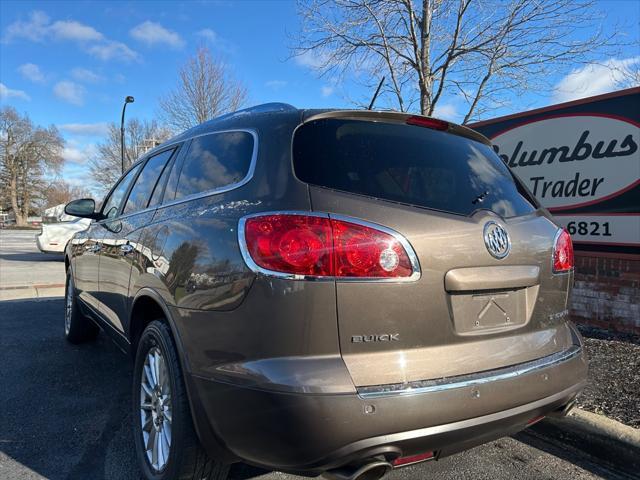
{"x": 606, "y": 292}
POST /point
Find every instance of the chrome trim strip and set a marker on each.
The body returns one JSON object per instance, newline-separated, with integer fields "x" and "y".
{"x": 413, "y": 258}
{"x": 463, "y": 381}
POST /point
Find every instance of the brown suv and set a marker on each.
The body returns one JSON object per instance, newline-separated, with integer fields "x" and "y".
{"x": 326, "y": 291}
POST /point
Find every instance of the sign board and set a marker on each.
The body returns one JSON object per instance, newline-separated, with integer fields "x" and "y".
{"x": 582, "y": 161}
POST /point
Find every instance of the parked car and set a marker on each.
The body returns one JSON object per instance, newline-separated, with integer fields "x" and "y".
{"x": 326, "y": 291}
{"x": 53, "y": 237}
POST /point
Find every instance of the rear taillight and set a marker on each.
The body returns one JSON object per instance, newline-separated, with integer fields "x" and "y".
{"x": 562, "y": 252}
{"x": 302, "y": 245}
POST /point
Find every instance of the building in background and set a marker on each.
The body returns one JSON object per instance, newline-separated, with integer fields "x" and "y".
{"x": 581, "y": 160}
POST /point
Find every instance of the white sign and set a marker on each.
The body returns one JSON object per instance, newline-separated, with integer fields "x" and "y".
{"x": 573, "y": 160}
{"x": 623, "y": 230}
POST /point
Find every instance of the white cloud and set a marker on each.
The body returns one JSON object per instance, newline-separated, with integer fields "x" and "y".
{"x": 446, "y": 111}
{"x": 7, "y": 93}
{"x": 85, "y": 75}
{"x": 112, "y": 49}
{"x": 87, "y": 129}
{"x": 70, "y": 92}
{"x": 74, "y": 155}
{"x": 597, "y": 78}
{"x": 34, "y": 29}
{"x": 313, "y": 60}
{"x": 38, "y": 28}
{"x": 327, "y": 90}
{"x": 276, "y": 84}
{"x": 208, "y": 34}
{"x": 32, "y": 72}
{"x": 215, "y": 41}
{"x": 72, "y": 30}
{"x": 77, "y": 152}
{"x": 153, "y": 33}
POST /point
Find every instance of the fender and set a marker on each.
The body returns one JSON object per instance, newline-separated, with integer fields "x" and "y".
{"x": 209, "y": 439}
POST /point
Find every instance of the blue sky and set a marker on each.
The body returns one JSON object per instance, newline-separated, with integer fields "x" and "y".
{"x": 71, "y": 63}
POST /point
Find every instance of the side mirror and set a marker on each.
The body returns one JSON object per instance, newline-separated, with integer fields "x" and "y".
{"x": 85, "y": 208}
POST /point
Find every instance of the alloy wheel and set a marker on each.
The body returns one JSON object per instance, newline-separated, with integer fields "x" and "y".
{"x": 155, "y": 409}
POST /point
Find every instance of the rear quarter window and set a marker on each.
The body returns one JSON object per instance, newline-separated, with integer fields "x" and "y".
{"x": 408, "y": 164}
{"x": 215, "y": 161}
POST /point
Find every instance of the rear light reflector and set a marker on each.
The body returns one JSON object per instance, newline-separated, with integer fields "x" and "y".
{"x": 320, "y": 246}
{"x": 402, "y": 461}
{"x": 562, "y": 252}
{"x": 426, "y": 122}
{"x": 535, "y": 420}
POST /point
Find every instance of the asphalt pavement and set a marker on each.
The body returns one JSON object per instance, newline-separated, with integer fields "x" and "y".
{"x": 65, "y": 409}
{"x": 23, "y": 265}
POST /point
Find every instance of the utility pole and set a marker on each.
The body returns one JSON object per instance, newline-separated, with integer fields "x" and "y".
{"x": 128, "y": 99}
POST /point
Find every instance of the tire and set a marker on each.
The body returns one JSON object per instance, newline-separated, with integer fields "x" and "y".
{"x": 77, "y": 327}
{"x": 166, "y": 415}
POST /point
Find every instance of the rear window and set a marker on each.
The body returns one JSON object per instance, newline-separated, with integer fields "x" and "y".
{"x": 408, "y": 164}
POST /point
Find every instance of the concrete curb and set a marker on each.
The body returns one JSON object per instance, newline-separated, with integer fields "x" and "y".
{"x": 28, "y": 292}
{"x": 607, "y": 442}
{"x": 601, "y": 425}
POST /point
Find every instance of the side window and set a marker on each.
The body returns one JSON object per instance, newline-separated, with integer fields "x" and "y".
{"x": 215, "y": 161}
{"x": 112, "y": 203}
{"x": 146, "y": 181}
{"x": 158, "y": 190}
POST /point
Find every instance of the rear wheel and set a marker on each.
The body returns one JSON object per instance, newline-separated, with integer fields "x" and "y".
{"x": 77, "y": 327}
{"x": 166, "y": 443}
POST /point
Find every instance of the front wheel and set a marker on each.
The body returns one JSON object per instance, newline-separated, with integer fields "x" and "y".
{"x": 77, "y": 327}
{"x": 167, "y": 446}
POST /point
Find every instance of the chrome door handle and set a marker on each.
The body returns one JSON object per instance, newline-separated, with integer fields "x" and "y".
{"x": 126, "y": 248}
{"x": 95, "y": 248}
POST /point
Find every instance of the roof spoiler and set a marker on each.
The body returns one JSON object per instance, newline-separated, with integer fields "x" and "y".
{"x": 401, "y": 118}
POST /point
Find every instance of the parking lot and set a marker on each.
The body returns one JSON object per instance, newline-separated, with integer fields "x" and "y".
{"x": 65, "y": 409}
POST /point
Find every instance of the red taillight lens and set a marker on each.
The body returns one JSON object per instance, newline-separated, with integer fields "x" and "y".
{"x": 323, "y": 247}
{"x": 432, "y": 123}
{"x": 362, "y": 251}
{"x": 563, "y": 253}
{"x": 297, "y": 244}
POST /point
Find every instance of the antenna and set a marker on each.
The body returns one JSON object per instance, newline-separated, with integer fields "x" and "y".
{"x": 375, "y": 95}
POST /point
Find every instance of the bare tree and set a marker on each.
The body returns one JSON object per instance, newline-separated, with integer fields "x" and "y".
{"x": 140, "y": 136}
{"x": 486, "y": 51}
{"x": 204, "y": 91}
{"x": 60, "y": 191}
{"x": 27, "y": 152}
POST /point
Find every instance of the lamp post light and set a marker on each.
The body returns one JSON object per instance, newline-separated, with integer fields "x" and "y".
{"x": 128, "y": 99}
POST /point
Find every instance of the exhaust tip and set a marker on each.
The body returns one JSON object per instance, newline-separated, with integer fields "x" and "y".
{"x": 369, "y": 471}
{"x": 372, "y": 471}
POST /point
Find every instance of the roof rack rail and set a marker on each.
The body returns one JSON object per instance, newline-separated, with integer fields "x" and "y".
{"x": 262, "y": 108}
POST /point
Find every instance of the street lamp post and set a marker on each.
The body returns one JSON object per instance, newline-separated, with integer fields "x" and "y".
{"x": 128, "y": 99}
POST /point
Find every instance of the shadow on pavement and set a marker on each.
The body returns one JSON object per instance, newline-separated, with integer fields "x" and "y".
{"x": 32, "y": 257}
{"x": 65, "y": 409}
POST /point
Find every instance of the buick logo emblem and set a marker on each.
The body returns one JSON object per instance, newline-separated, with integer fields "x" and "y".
{"x": 497, "y": 240}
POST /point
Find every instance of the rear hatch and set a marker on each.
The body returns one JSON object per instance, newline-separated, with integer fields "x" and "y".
{"x": 469, "y": 311}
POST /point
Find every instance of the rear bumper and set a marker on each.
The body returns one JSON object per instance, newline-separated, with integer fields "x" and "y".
{"x": 45, "y": 247}
{"x": 311, "y": 433}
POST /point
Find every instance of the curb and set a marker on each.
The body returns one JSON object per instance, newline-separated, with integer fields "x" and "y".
{"x": 32, "y": 292}
{"x": 608, "y": 443}
{"x": 601, "y": 425}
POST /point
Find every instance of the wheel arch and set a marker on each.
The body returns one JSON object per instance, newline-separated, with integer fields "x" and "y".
{"x": 148, "y": 305}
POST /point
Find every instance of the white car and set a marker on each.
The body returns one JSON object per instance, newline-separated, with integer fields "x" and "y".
{"x": 53, "y": 237}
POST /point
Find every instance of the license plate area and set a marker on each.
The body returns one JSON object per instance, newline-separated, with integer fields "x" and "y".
{"x": 482, "y": 312}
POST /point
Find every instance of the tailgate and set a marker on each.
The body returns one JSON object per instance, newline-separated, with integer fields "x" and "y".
{"x": 468, "y": 312}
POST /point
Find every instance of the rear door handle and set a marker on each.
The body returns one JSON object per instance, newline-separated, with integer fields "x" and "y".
{"x": 126, "y": 248}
